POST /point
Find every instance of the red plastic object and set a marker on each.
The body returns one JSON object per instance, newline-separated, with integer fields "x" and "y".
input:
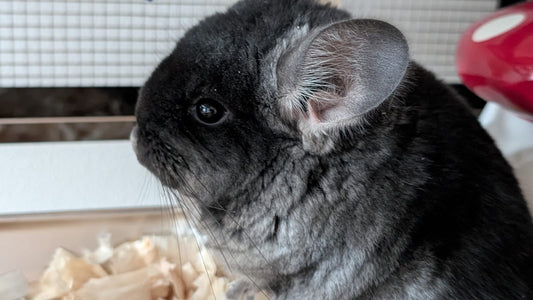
{"x": 495, "y": 58}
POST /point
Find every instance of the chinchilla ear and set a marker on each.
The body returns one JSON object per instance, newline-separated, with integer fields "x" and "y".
{"x": 340, "y": 72}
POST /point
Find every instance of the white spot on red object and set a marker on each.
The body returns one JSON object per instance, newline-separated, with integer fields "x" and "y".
{"x": 497, "y": 26}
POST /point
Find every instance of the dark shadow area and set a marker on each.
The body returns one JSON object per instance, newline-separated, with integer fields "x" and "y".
{"x": 66, "y": 102}
{"x": 73, "y": 114}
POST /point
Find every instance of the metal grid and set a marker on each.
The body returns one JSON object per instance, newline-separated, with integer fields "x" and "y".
{"x": 118, "y": 42}
{"x": 91, "y": 43}
{"x": 432, "y": 27}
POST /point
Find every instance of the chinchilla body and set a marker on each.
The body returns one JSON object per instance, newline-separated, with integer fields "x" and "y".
{"x": 322, "y": 163}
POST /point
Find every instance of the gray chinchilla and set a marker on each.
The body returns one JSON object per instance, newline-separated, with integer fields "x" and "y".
{"x": 324, "y": 164}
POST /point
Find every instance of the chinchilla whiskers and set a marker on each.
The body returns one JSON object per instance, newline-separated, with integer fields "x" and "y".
{"x": 204, "y": 225}
{"x": 168, "y": 194}
{"x": 196, "y": 222}
{"x": 170, "y": 212}
{"x": 144, "y": 188}
{"x": 186, "y": 207}
{"x": 219, "y": 206}
{"x": 228, "y": 213}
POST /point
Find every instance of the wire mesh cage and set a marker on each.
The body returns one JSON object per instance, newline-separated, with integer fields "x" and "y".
{"x": 118, "y": 43}
{"x": 432, "y": 27}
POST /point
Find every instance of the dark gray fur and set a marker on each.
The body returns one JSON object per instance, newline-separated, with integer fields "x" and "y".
{"x": 391, "y": 191}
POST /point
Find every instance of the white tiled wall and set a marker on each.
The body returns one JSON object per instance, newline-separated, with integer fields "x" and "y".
{"x": 118, "y": 42}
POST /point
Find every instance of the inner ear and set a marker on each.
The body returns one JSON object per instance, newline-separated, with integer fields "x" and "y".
{"x": 342, "y": 71}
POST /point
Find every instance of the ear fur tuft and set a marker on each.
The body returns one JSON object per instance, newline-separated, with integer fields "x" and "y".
{"x": 341, "y": 72}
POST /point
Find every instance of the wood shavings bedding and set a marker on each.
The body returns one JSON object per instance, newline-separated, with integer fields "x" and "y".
{"x": 153, "y": 267}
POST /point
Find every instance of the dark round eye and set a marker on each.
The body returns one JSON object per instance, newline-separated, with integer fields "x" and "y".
{"x": 209, "y": 111}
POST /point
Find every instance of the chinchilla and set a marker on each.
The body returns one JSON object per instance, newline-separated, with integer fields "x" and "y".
{"x": 321, "y": 162}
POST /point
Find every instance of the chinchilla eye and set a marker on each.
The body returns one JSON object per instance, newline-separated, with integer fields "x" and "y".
{"x": 209, "y": 111}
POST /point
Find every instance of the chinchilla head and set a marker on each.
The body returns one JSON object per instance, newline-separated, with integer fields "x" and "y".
{"x": 252, "y": 102}
{"x": 266, "y": 75}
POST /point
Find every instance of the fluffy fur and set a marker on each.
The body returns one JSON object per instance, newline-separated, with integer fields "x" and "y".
{"x": 410, "y": 200}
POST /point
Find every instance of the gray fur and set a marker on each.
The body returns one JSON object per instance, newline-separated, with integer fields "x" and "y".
{"x": 392, "y": 191}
